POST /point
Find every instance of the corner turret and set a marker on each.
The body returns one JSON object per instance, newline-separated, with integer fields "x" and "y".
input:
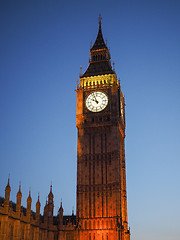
{"x": 7, "y": 196}
{"x": 50, "y": 205}
{"x": 18, "y": 201}
{"x": 29, "y": 201}
{"x": 38, "y": 206}
{"x": 61, "y": 215}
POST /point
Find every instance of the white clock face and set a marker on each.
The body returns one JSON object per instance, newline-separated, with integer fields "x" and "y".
{"x": 96, "y": 101}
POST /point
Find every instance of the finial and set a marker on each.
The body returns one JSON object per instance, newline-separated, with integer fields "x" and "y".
{"x": 8, "y": 188}
{"x": 51, "y": 187}
{"x": 29, "y": 199}
{"x": 100, "y": 18}
{"x": 19, "y": 186}
{"x": 61, "y": 203}
{"x": 38, "y": 202}
{"x": 8, "y": 180}
{"x": 29, "y": 191}
{"x": 73, "y": 210}
{"x": 113, "y": 65}
{"x": 80, "y": 73}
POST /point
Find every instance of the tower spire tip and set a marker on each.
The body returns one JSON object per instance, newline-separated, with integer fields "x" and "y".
{"x": 100, "y": 20}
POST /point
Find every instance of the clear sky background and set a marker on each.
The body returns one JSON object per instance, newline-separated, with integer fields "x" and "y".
{"x": 42, "y": 45}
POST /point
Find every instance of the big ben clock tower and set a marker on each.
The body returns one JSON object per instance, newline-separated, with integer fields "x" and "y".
{"x": 101, "y": 171}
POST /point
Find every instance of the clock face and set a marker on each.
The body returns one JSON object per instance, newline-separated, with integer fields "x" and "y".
{"x": 96, "y": 101}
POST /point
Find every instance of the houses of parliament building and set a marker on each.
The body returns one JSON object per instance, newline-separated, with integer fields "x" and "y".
{"x": 101, "y": 210}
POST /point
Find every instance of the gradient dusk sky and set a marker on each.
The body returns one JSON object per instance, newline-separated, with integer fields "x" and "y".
{"x": 42, "y": 45}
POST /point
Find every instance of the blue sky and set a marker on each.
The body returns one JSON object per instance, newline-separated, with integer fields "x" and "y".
{"x": 42, "y": 45}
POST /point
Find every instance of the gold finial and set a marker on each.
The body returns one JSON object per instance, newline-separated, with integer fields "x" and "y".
{"x": 100, "y": 18}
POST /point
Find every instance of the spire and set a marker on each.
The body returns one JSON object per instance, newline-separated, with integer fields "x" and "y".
{"x": 100, "y": 18}
{"x": 19, "y": 192}
{"x": 8, "y": 188}
{"x": 61, "y": 208}
{"x": 99, "y": 43}
{"x": 50, "y": 196}
{"x": 18, "y": 199}
{"x": 7, "y": 191}
{"x": 38, "y": 202}
{"x": 29, "y": 196}
{"x": 7, "y": 195}
{"x": 61, "y": 214}
{"x": 99, "y": 63}
{"x": 29, "y": 201}
{"x": 38, "y": 205}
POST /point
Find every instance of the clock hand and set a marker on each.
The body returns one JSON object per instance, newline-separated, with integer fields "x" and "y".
{"x": 95, "y": 99}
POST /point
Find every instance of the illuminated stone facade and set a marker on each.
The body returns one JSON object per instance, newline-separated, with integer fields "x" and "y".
{"x": 101, "y": 211}
{"x": 101, "y": 172}
{"x": 19, "y": 223}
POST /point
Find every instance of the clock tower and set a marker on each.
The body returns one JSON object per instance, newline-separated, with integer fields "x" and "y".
{"x": 101, "y": 171}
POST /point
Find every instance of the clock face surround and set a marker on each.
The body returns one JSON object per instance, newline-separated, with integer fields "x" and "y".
{"x": 96, "y": 101}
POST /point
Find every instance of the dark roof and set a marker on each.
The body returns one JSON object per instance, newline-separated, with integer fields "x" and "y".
{"x": 12, "y": 205}
{"x": 99, "y": 43}
{"x": 69, "y": 219}
{"x": 98, "y": 68}
{"x": 100, "y": 58}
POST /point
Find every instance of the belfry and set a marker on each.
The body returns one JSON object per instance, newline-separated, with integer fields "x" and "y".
{"x": 101, "y": 203}
{"x": 101, "y": 171}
